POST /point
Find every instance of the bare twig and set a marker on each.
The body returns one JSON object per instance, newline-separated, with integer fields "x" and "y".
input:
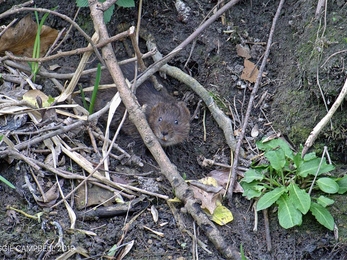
{"x": 318, "y": 128}
{"x": 68, "y": 31}
{"x": 267, "y": 230}
{"x": 107, "y": 4}
{"x": 47, "y": 74}
{"x": 320, "y": 6}
{"x": 318, "y": 169}
{"x": 255, "y": 227}
{"x": 251, "y": 99}
{"x": 332, "y": 55}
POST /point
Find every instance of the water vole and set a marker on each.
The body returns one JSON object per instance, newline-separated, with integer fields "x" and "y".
{"x": 168, "y": 118}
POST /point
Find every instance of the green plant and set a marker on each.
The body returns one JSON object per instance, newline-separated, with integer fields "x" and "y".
{"x": 83, "y": 97}
{"x": 36, "y": 51}
{"x": 108, "y": 13}
{"x": 90, "y": 108}
{"x": 95, "y": 90}
{"x": 284, "y": 178}
{"x": 243, "y": 257}
{"x": 9, "y": 184}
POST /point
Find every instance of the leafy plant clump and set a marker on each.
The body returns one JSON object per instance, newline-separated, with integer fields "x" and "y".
{"x": 287, "y": 179}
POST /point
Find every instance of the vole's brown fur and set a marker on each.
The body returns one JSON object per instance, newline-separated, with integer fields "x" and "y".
{"x": 168, "y": 118}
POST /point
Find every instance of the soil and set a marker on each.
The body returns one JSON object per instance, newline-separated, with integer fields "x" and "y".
{"x": 289, "y": 102}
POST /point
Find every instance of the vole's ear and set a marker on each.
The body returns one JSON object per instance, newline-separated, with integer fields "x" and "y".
{"x": 183, "y": 108}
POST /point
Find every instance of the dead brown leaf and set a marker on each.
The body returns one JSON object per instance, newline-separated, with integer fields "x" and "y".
{"x": 243, "y": 51}
{"x": 222, "y": 178}
{"x": 95, "y": 196}
{"x": 50, "y": 197}
{"x": 208, "y": 199}
{"x": 20, "y": 38}
{"x": 250, "y": 72}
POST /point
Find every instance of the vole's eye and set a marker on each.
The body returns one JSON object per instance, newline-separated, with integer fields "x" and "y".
{"x": 160, "y": 119}
{"x": 176, "y": 122}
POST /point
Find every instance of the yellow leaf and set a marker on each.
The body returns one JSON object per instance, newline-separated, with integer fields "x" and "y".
{"x": 222, "y": 215}
{"x": 209, "y": 181}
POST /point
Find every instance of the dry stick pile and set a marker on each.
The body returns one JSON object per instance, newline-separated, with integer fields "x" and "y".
{"x": 54, "y": 139}
{"x": 169, "y": 170}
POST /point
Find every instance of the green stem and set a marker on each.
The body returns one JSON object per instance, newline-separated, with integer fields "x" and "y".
{"x": 36, "y": 50}
{"x": 95, "y": 90}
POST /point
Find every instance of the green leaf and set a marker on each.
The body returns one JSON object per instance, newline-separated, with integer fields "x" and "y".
{"x": 342, "y": 185}
{"x": 270, "y": 198}
{"x": 310, "y": 167}
{"x": 82, "y": 3}
{"x": 310, "y": 156}
{"x": 326, "y": 168}
{"x": 83, "y": 98}
{"x": 276, "y": 158}
{"x": 95, "y": 89}
{"x": 34, "y": 66}
{"x": 9, "y": 184}
{"x": 298, "y": 160}
{"x": 322, "y": 215}
{"x": 252, "y": 175}
{"x": 252, "y": 190}
{"x": 112, "y": 252}
{"x": 324, "y": 201}
{"x": 108, "y": 14}
{"x": 50, "y": 100}
{"x": 262, "y": 168}
{"x": 288, "y": 215}
{"x": 299, "y": 198}
{"x": 328, "y": 185}
{"x": 126, "y": 3}
{"x": 274, "y": 144}
{"x": 242, "y": 253}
